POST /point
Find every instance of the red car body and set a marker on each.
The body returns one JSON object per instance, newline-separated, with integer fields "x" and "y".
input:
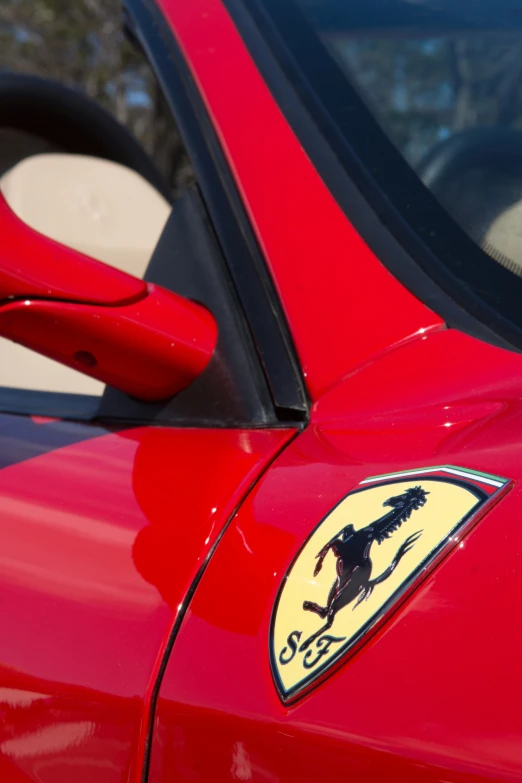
{"x": 139, "y": 568}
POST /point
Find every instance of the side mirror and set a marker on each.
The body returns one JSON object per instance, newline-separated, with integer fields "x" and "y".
{"x": 106, "y": 323}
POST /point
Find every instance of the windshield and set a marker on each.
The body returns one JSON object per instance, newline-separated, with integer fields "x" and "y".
{"x": 439, "y": 82}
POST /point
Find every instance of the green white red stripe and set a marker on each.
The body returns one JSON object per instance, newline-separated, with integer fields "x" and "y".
{"x": 473, "y": 475}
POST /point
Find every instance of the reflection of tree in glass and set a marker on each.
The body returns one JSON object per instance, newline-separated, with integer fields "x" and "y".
{"x": 423, "y": 90}
{"x": 81, "y": 43}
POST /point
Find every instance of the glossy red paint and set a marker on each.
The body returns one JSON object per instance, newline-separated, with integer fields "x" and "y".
{"x": 101, "y": 535}
{"x": 33, "y": 265}
{"x": 342, "y": 305}
{"x": 151, "y": 349}
{"x": 433, "y": 695}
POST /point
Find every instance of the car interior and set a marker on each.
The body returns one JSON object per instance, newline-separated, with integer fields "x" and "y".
{"x": 111, "y": 205}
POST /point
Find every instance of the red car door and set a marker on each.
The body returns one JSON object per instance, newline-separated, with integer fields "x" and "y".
{"x": 103, "y": 533}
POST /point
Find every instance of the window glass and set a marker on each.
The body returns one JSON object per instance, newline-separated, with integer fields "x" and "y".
{"x": 451, "y": 101}
{"x": 82, "y": 44}
{"x": 422, "y": 99}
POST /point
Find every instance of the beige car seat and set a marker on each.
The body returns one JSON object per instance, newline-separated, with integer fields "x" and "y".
{"x": 96, "y": 206}
{"x": 503, "y": 239}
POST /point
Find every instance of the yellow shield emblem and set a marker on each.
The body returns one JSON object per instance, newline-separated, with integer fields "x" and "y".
{"x": 361, "y": 559}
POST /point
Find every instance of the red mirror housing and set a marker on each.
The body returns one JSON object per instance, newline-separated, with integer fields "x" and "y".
{"x": 137, "y": 337}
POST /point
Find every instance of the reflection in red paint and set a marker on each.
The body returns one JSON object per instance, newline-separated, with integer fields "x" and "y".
{"x": 99, "y": 542}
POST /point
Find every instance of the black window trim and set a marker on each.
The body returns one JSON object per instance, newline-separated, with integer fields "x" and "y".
{"x": 410, "y": 255}
{"x": 256, "y": 291}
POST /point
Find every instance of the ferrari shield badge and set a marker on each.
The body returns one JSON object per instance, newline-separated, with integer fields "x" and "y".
{"x": 361, "y": 558}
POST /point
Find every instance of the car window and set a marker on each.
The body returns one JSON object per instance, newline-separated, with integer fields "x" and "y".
{"x": 422, "y": 102}
{"x": 445, "y": 87}
{"x": 48, "y": 180}
{"x": 83, "y": 45}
